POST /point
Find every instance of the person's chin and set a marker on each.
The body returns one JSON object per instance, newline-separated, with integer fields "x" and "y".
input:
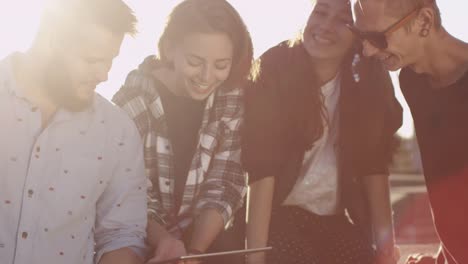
{"x": 392, "y": 65}
{"x": 199, "y": 96}
{"x": 79, "y": 102}
{"x": 326, "y": 52}
{"x": 392, "y": 68}
{"x": 87, "y": 96}
{"x": 198, "y": 93}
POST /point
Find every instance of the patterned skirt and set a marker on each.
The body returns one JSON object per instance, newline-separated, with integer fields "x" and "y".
{"x": 300, "y": 237}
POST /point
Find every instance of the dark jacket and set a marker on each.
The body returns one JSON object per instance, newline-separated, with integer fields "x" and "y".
{"x": 273, "y": 141}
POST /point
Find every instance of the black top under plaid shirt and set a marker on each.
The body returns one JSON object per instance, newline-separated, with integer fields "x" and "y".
{"x": 215, "y": 178}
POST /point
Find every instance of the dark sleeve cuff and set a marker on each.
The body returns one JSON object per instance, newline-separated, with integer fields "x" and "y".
{"x": 261, "y": 170}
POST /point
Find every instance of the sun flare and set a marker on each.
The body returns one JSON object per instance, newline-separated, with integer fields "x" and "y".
{"x": 19, "y": 24}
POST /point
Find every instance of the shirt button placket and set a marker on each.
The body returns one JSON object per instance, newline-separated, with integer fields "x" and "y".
{"x": 27, "y": 222}
{"x": 24, "y": 245}
{"x": 33, "y": 171}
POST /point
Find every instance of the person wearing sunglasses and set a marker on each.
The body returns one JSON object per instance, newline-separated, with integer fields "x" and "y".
{"x": 379, "y": 39}
{"x": 434, "y": 81}
{"x": 317, "y": 138}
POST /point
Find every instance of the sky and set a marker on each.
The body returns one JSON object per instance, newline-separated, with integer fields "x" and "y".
{"x": 269, "y": 22}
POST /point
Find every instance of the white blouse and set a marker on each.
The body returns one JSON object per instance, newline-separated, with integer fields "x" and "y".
{"x": 316, "y": 189}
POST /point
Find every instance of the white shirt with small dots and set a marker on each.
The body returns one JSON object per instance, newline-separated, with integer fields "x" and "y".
{"x": 72, "y": 191}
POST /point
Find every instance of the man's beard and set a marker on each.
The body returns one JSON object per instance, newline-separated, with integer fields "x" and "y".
{"x": 59, "y": 88}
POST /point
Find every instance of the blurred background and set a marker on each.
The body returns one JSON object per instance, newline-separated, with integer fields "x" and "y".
{"x": 270, "y": 22}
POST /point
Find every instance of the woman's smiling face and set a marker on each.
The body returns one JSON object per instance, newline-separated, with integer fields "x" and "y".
{"x": 326, "y": 34}
{"x": 202, "y": 62}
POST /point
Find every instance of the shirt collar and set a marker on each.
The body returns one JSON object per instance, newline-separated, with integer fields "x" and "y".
{"x": 329, "y": 87}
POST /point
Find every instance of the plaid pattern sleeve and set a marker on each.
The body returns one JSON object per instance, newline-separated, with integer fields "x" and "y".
{"x": 215, "y": 178}
{"x": 134, "y": 97}
{"x": 225, "y": 184}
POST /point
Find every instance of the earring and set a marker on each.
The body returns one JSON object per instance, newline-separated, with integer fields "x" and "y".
{"x": 424, "y": 32}
{"x": 354, "y": 69}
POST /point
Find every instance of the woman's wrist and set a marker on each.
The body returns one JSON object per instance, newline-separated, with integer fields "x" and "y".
{"x": 194, "y": 251}
{"x": 389, "y": 252}
{"x": 385, "y": 238}
{"x": 158, "y": 233}
{"x": 256, "y": 258}
{"x": 385, "y": 246}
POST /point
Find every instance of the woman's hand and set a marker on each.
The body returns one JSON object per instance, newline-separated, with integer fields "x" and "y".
{"x": 256, "y": 258}
{"x": 390, "y": 256}
{"x": 192, "y": 261}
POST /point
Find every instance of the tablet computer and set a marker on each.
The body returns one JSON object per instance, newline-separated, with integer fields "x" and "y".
{"x": 209, "y": 255}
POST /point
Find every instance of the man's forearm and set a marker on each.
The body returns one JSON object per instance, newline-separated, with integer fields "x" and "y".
{"x": 121, "y": 256}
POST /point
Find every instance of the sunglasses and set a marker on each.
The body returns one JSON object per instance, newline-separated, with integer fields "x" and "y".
{"x": 379, "y": 39}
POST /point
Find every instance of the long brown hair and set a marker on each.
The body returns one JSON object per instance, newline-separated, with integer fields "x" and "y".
{"x": 309, "y": 111}
{"x": 201, "y": 16}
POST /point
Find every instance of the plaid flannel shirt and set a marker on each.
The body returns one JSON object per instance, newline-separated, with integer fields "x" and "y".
{"x": 215, "y": 178}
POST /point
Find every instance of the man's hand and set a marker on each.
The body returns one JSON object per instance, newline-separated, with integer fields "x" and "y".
{"x": 120, "y": 256}
{"x": 168, "y": 248}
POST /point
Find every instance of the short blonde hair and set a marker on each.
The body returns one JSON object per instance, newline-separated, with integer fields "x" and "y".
{"x": 401, "y": 8}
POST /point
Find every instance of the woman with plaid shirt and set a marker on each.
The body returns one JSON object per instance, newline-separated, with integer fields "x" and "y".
{"x": 187, "y": 105}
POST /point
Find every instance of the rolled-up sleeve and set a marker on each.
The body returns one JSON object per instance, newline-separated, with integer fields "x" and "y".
{"x": 226, "y": 183}
{"x": 121, "y": 209}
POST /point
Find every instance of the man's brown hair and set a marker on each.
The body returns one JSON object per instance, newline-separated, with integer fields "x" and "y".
{"x": 114, "y": 15}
